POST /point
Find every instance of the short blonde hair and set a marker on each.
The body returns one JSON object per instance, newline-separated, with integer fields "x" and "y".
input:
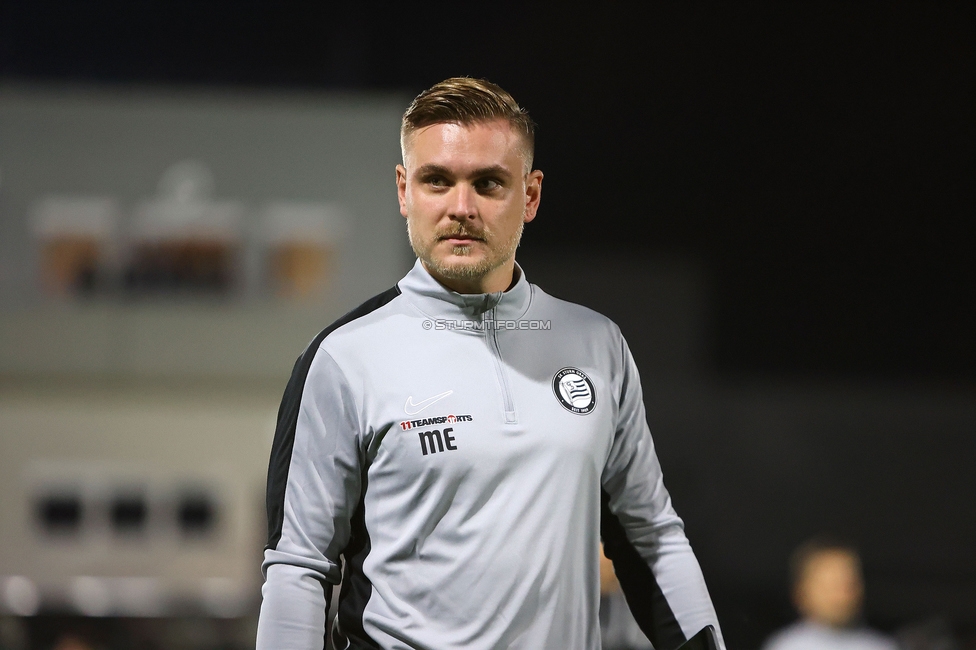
{"x": 463, "y": 100}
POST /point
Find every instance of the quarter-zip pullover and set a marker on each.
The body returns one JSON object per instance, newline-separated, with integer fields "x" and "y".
{"x": 464, "y": 454}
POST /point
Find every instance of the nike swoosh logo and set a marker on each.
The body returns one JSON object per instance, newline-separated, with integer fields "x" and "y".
{"x": 413, "y": 408}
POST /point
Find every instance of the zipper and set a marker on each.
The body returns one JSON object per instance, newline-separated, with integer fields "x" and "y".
{"x": 511, "y": 417}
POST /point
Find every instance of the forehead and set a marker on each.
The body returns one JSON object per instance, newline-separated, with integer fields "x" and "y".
{"x": 831, "y": 561}
{"x": 455, "y": 145}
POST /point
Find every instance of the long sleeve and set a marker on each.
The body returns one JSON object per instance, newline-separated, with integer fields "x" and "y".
{"x": 642, "y": 534}
{"x": 314, "y": 490}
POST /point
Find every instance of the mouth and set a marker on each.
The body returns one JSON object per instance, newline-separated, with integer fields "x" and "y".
{"x": 460, "y": 239}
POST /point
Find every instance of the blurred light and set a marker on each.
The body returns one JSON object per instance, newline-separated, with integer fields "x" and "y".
{"x": 21, "y": 596}
{"x": 90, "y": 596}
{"x": 137, "y": 596}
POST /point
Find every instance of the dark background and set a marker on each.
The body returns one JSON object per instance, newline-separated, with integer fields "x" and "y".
{"x": 815, "y": 159}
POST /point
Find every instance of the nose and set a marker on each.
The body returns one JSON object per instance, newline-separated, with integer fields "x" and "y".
{"x": 463, "y": 205}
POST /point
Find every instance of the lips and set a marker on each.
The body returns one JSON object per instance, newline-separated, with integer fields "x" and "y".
{"x": 461, "y": 237}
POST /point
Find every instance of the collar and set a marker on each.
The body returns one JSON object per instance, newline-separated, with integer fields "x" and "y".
{"x": 437, "y": 301}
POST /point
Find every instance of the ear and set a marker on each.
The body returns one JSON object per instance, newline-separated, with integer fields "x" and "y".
{"x": 533, "y": 195}
{"x": 401, "y": 182}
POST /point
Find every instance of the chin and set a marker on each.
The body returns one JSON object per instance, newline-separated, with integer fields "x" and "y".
{"x": 457, "y": 267}
{"x": 463, "y": 270}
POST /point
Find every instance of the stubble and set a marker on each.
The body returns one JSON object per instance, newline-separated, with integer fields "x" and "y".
{"x": 497, "y": 252}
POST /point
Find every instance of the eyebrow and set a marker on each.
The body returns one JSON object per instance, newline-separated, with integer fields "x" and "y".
{"x": 432, "y": 168}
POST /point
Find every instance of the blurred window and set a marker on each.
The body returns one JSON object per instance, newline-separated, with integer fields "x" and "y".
{"x": 74, "y": 238}
{"x": 197, "y": 514}
{"x": 301, "y": 243}
{"x": 60, "y": 514}
{"x": 129, "y": 513}
{"x": 183, "y": 241}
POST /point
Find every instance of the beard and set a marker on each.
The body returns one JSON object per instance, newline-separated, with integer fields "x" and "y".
{"x": 497, "y": 251}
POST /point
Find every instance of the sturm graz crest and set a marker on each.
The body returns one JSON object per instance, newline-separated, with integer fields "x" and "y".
{"x": 574, "y": 390}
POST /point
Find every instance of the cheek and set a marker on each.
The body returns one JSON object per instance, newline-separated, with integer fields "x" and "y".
{"x": 423, "y": 214}
{"x": 422, "y": 204}
{"x": 513, "y": 215}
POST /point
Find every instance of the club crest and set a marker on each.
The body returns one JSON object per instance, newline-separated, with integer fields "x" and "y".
{"x": 574, "y": 390}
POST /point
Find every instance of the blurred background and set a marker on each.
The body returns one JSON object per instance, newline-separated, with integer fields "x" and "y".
{"x": 774, "y": 201}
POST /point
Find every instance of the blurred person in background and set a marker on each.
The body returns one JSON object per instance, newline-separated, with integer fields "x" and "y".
{"x": 462, "y": 462}
{"x": 828, "y": 591}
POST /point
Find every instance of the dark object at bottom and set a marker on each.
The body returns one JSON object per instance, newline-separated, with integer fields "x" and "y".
{"x": 704, "y": 640}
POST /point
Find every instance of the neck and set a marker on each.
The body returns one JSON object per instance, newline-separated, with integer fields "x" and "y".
{"x": 501, "y": 278}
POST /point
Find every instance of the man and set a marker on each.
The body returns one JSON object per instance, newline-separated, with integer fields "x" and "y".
{"x": 463, "y": 440}
{"x": 828, "y": 591}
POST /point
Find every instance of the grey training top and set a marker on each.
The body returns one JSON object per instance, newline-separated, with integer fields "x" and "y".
{"x": 465, "y": 454}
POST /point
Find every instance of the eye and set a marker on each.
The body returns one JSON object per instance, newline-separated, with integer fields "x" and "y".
{"x": 487, "y": 184}
{"x": 436, "y": 181}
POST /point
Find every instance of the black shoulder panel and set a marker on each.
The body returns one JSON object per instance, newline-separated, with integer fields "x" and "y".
{"x": 284, "y": 438}
{"x": 644, "y": 595}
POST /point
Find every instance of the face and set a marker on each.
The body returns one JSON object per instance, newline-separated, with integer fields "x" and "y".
{"x": 830, "y": 591}
{"x": 465, "y": 194}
